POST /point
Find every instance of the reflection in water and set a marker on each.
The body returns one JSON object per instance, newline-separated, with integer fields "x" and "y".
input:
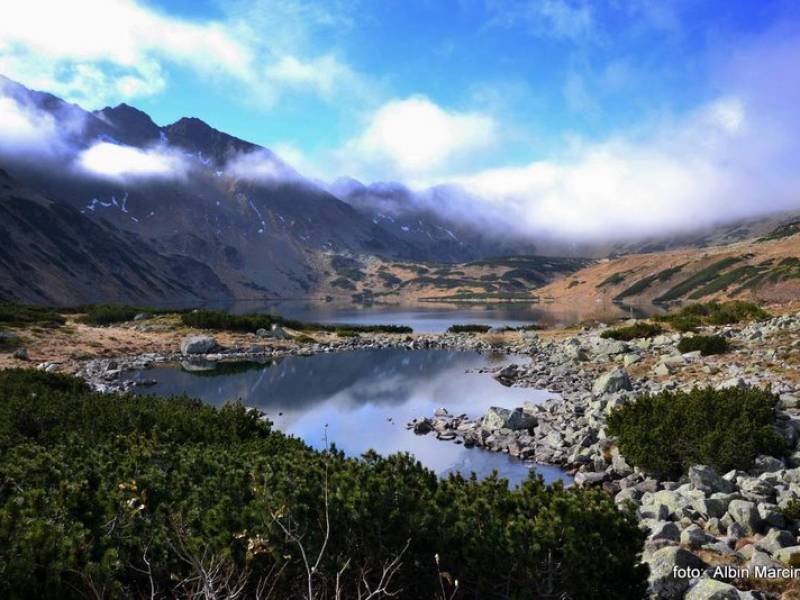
{"x": 364, "y": 399}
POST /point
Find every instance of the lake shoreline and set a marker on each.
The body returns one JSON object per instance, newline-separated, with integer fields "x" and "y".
{"x": 704, "y": 518}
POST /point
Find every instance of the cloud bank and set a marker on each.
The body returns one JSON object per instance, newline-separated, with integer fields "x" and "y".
{"x": 736, "y": 155}
{"x": 98, "y": 52}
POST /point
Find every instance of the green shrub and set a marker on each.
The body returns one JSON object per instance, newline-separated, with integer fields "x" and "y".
{"x": 668, "y": 432}
{"x": 8, "y": 341}
{"x": 115, "y": 493}
{"x": 469, "y": 328}
{"x": 791, "y": 511}
{"x": 702, "y": 277}
{"x": 685, "y": 324}
{"x": 108, "y": 314}
{"x": 706, "y": 344}
{"x": 632, "y": 332}
{"x": 21, "y": 315}
{"x": 346, "y": 333}
{"x": 692, "y": 316}
{"x": 223, "y": 321}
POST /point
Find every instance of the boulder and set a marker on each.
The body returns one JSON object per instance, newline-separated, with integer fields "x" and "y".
{"x": 613, "y": 381}
{"x": 521, "y": 419}
{"x": 423, "y": 427}
{"x": 789, "y": 556}
{"x": 502, "y": 418}
{"x": 706, "y": 480}
{"x": 711, "y": 589}
{"x": 496, "y": 418}
{"x": 662, "y": 369}
{"x": 663, "y": 581}
{"x": 631, "y": 359}
{"x": 664, "y": 530}
{"x": 745, "y": 514}
{"x": 775, "y": 540}
{"x": 198, "y": 344}
{"x": 21, "y": 354}
{"x": 695, "y": 537}
{"x": 767, "y": 464}
{"x": 583, "y": 479}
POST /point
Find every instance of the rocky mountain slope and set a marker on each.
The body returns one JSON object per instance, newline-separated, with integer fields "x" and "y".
{"x": 51, "y": 253}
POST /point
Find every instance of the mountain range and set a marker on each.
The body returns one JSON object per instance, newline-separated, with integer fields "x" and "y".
{"x": 234, "y": 211}
{"x": 109, "y": 206}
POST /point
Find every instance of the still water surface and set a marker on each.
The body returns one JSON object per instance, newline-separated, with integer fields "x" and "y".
{"x": 364, "y": 399}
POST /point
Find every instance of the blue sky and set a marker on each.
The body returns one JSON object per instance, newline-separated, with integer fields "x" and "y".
{"x": 509, "y": 98}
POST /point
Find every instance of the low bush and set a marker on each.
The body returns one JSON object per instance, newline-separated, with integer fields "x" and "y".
{"x": 632, "y": 332}
{"x": 108, "y": 314}
{"x": 8, "y": 341}
{"x": 666, "y": 433}
{"x": 685, "y": 324}
{"x": 128, "y": 497}
{"x": 223, "y": 321}
{"x": 692, "y": 316}
{"x": 706, "y": 344}
{"x": 21, "y": 315}
{"x": 469, "y": 328}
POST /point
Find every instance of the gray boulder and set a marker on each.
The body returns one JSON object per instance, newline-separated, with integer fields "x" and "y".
{"x": 496, "y": 418}
{"x": 198, "y": 344}
{"x": 502, "y": 418}
{"x": 663, "y": 562}
{"x": 711, "y": 589}
{"x": 613, "y": 381}
{"x": 745, "y": 514}
{"x": 521, "y": 419}
{"x": 705, "y": 479}
{"x": 789, "y": 556}
{"x": 695, "y": 537}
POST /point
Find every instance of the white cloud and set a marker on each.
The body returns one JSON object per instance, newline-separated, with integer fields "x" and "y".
{"x": 325, "y": 74}
{"x": 98, "y": 52}
{"x": 417, "y": 136}
{"x": 260, "y": 166}
{"x": 114, "y": 161}
{"x": 560, "y": 19}
{"x": 714, "y": 164}
{"x": 24, "y": 128}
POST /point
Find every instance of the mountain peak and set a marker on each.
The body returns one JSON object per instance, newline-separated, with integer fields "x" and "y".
{"x": 130, "y": 124}
{"x": 196, "y": 135}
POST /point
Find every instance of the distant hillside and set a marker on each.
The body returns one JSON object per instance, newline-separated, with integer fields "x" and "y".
{"x": 766, "y": 268}
{"x": 496, "y": 279}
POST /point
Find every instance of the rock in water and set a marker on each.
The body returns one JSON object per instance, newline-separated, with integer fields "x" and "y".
{"x": 496, "y": 418}
{"x": 198, "y": 344}
{"x": 613, "y": 381}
